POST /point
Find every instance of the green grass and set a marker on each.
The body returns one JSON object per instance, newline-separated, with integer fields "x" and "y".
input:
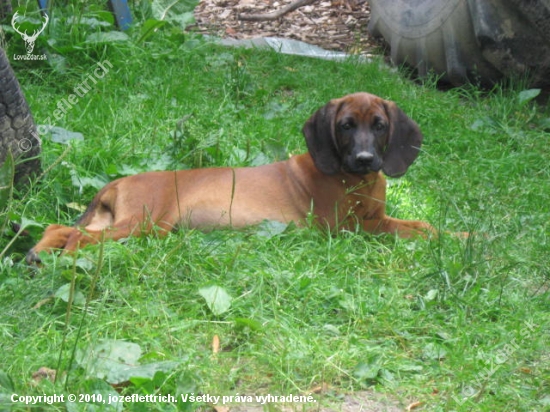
{"x": 455, "y": 324}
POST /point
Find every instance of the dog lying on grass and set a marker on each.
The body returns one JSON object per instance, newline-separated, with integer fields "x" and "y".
{"x": 350, "y": 140}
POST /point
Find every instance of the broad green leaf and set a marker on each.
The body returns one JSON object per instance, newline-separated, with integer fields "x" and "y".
{"x": 366, "y": 371}
{"x": 57, "y": 62}
{"x": 248, "y": 323}
{"x": 545, "y": 123}
{"x": 276, "y": 109}
{"x": 186, "y": 384}
{"x": 109, "y": 359}
{"x": 104, "y": 15}
{"x": 64, "y": 292}
{"x": 117, "y": 361}
{"x": 92, "y": 22}
{"x": 271, "y": 228}
{"x": 484, "y": 124}
{"x": 333, "y": 330}
{"x": 237, "y": 156}
{"x": 431, "y": 295}
{"x": 128, "y": 170}
{"x": 106, "y": 37}
{"x": 217, "y": 299}
{"x": 7, "y": 388}
{"x": 173, "y": 11}
{"x": 6, "y": 384}
{"x": 97, "y": 387}
{"x": 387, "y": 375}
{"x": 261, "y": 159}
{"x": 64, "y": 136}
{"x": 184, "y": 19}
{"x": 82, "y": 181}
{"x": 410, "y": 367}
{"x": 25, "y": 223}
{"x": 433, "y": 351}
{"x": 144, "y": 371}
{"x": 149, "y": 27}
{"x": 525, "y": 96}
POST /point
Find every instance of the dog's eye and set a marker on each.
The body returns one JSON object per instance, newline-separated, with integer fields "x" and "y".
{"x": 379, "y": 126}
{"x": 347, "y": 125}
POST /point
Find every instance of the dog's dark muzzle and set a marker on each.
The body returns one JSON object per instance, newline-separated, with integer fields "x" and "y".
{"x": 362, "y": 163}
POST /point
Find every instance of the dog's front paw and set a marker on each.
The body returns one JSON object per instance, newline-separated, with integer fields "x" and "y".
{"x": 32, "y": 258}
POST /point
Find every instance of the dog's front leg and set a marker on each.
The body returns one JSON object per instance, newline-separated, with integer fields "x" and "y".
{"x": 402, "y": 228}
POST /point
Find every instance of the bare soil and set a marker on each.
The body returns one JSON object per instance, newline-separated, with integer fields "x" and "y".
{"x": 333, "y": 25}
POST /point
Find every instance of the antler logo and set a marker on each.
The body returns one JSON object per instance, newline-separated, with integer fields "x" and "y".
{"x": 29, "y": 40}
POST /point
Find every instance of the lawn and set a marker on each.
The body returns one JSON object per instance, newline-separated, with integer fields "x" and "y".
{"x": 453, "y": 324}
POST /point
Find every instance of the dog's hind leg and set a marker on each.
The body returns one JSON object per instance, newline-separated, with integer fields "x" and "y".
{"x": 90, "y": 235}
{"x": 70, "y": 239}
{"x": 55, "y": 237}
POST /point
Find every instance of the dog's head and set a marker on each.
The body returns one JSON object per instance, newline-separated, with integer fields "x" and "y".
{"x": 362, "y": 133}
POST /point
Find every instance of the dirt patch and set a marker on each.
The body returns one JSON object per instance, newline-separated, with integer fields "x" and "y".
{"x": 333, "y": 25}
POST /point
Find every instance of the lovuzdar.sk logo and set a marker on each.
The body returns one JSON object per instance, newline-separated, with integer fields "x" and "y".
{"x": 29, "y": 39}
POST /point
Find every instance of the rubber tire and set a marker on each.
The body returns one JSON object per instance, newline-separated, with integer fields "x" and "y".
{"x": 18, "y": 132}
{"x": 479, "y": 41}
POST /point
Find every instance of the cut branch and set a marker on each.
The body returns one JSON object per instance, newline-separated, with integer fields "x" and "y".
{"x": 276, "y": 14}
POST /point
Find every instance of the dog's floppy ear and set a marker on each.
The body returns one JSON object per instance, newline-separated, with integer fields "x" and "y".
{"x": 404, "y": 142}
{"x": 319, "y": 131}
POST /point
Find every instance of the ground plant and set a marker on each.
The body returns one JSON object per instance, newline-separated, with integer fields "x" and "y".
{"x": 446, "y": 323}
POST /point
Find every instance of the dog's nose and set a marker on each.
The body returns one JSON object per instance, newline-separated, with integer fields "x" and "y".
{"x": 364, "y": 157}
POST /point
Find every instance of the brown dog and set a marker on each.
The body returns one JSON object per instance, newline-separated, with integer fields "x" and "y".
{"x": 350, "y": 141}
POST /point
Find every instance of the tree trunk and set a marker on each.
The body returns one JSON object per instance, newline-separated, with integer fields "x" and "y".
{"x": 18, "y": 132}
{"x": 5, "y": 9}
